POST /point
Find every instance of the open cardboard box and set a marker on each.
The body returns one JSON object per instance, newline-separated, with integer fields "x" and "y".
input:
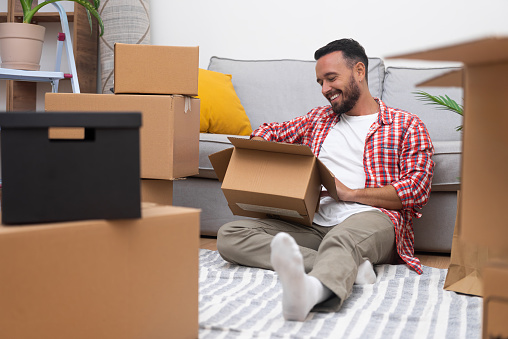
{"x": 169, "y": 135}
{"x": 125, "y": 279}
{"x": 485, "y": 152}
{"x": 265, "y": 179}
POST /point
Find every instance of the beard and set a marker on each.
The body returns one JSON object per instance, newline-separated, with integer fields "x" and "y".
{"x": 350, "y": 95}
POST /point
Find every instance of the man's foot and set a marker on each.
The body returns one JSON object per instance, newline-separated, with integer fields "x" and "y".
{"x": 366, "y": 274}
{"x": 300, "y": 292}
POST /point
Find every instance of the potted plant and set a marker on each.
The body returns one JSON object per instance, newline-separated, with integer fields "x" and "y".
{"x": 21, "y": 43}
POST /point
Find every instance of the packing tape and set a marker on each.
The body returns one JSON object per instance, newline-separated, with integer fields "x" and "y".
{"x": 187, "y": 100}
{"x": 187, "y": 103}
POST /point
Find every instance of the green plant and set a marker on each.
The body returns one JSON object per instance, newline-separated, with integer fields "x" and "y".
{"x": 443, "y": 102}
{"x": 28, "y": 11}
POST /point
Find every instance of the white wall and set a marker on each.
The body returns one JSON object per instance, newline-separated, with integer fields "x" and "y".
{"x": 273, "y": 29}
{"x": 276, "y": 29}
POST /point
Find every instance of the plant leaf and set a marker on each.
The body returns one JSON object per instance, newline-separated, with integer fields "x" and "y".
{"x": 26, "y": 5}
{"x": 443, "y": 102}
{"x": 88, "y": 6}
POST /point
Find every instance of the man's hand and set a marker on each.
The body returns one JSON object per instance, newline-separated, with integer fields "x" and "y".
{"x": 257, "y": 138}
{"x": 384, "y": 197}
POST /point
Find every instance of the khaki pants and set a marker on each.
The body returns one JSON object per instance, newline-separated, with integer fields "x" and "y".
{"x": 331, "y": 254}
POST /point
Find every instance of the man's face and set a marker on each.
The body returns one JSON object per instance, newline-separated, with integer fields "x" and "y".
{"x": 337, "y": 81}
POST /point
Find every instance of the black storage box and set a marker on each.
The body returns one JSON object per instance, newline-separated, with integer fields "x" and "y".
{"x": 96, "y": 176}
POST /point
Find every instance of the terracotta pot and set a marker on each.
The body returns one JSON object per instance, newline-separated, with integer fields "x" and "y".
{"x": 21, "y": 45}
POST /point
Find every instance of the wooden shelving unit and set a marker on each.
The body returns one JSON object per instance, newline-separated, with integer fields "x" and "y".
{"x": 22, "y": 96}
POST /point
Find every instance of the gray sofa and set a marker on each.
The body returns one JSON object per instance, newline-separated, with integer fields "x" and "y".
{"x": 278, "y": 90}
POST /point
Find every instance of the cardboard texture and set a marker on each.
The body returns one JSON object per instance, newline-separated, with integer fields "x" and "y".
{"x": 169, "y": 135}
{"x": 49, "y": 180}
{"x": 267, "y": 179}
{"x": 485, "y": 157}
{"x": 149, "y": 69}
{"x": 495, "y": 301}
{"x": 466, "y": 262}
{"x": 450, "y": 79}
{"x": 157, "y": 191}
{"x": 102, "y": 279}
{"x": 465, "y": 272}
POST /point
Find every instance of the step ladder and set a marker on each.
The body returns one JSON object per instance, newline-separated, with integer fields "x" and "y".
{"x": 48, "y": 76}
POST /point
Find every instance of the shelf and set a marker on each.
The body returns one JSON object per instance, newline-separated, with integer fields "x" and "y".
{"x": 38, "y": 76}
{"x": 39, "y": 17}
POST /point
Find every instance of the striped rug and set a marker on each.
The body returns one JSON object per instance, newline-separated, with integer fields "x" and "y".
{"x": 243, "y": 302}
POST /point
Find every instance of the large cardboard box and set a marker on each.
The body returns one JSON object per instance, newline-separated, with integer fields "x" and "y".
{"x": 169, "y": 135}
{"x": 495, "y": 301}
{"x": 267, "y": 179}
{"x": 485, "y": 155}
{"x": 50, "y": 180}
{"x": 149, "y": 69}
{"x": 102, "y": 279}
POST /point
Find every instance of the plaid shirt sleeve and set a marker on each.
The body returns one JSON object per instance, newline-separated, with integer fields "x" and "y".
{"x": 310, "y": 129}
{"x": 416, "y": 167}
{"x": 288, "y": 131}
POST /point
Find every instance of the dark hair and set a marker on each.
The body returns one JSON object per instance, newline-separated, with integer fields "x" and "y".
{"x": 352, "y": 51}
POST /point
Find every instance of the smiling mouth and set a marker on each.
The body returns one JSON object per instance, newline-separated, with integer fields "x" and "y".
{"x": 333, "y": 97}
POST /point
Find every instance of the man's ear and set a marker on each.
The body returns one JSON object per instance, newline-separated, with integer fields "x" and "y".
{"x": 359, "y": 70}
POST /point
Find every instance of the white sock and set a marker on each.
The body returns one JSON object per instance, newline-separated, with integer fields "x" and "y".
{"x": 300, "y": 291}
{"x": 366, "y": 274}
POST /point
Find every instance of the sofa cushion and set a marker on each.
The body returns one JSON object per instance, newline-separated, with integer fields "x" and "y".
{"x": 209, "y": 144}
{"x": 221, "y": 110}
{"x": 398, "y": 88}
{"x": 279, "y": 90}
{"x": 447, "y": 157}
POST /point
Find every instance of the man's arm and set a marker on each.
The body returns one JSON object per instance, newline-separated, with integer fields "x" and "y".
{"x": 288, "y": 131}
{"x": 384, "y": 197}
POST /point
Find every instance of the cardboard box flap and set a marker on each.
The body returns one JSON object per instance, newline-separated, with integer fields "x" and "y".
{"x": 258, "y": 205}
{"x": 327, "y": 180}
{"x": 449, "y": 79}
{"x": 487, "y": 50}
{"x": 220, "y": 162}
{"x": 260, "y": 211}
{"x": 271, "y": 146}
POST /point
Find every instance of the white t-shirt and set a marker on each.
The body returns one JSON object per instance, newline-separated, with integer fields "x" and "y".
{"x": 342, "y": 152}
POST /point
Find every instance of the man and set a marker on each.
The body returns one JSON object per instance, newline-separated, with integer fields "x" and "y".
{"x": 381, "y": 158}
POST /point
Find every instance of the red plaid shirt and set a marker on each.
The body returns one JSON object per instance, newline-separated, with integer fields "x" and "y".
{"x": 398, "y": 152}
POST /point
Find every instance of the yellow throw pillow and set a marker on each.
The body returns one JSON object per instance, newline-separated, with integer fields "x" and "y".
{"x": 221, "y": 109}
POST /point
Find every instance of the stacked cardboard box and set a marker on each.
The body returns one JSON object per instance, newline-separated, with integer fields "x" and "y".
{"x": 485, "y": 158}
{"x": 157, "y": 81}
{"x": 130, "y": 278}
{"x": 118, "y": 279}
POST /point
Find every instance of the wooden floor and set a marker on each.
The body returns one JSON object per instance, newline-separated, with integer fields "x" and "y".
{"x": 427, "y": 259}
